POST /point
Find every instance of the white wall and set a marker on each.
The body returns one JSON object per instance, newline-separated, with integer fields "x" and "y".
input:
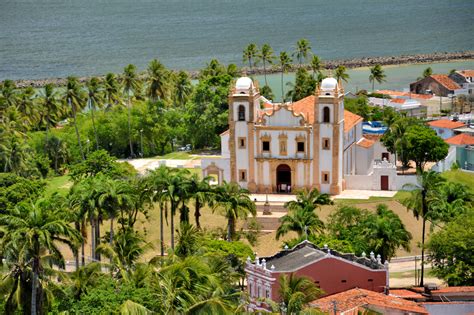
{"x": 222, "y": 163}
{"x": 359, "y": 182}
{"x": 445, "y": 165}
{"x": 225, "y": 145}
{"x": 444, "y": 133}
{"x": 283, "y": 118}
{"x": 364, "y": 160}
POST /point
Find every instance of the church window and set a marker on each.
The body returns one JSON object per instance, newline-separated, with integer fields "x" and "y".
{"x": 241, "y": 113}
{"x": 325, "y": 177}
{"x": 300, "y": 146}
{"x": 326, "y": 144}
{"x": 242, "y": 175}
{"x": 267, "y": 293}
{"x": 326, "y": 115}
{"x": 242, "y": 143}
{"x": 266, "y": 146}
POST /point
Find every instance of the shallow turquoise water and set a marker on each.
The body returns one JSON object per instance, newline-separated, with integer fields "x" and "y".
{"x": 398, "y": 77}
{"x": 56, "y": 38}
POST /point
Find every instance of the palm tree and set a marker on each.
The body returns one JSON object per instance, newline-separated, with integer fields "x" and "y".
{"x": 157, "y": 81}
{"x": 250, "y": 55}
{"x": 316, "y": 65}
{"x": 84, "y": 278}
{"x": 341, "y": 73}
{"x": 309, "y": 199}
{"x": 303, "y": 221}
{"x": 234, "y": 203}
{"x": 111, "y": 90}
{"x": 74, "y": 98}
{"x": 31, "y": 231}
{"x": 377, "y": 74}
{"x": 9, "y": 94}
{"x": 285, "y": 65}
{"x": 50, "y": 108}
{"x": 420, "y": 202}
{"x": 131, "y": 85}
{"x": 296, "y": 292}
{"x": 183, "y": 88}
{"x": 427, "y": 72}
{"x": 267, "y": 56}
{"x": 26, "y": 105}
{"x": 94, "y": 94}
{"x": 303, "y": 50}
{"x": 201, "y": 192}
{"x": 385, "y": 233}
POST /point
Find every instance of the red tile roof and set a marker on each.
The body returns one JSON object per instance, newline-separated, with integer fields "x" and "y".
{"x": 445, "y": 81}
{"x": 407, "y": 94}
{"x": 397, "y": 100}
{"x": 446, "y": 123}
{"x": 461, "y": 139}
{"x": 305, "y": 106}
{"x": 358, "y": 298}
{"x": 454, "y": 290}
{"x": 405, "y": 294}
{"x": 365, "y": 143}
{"x": 466, "y": 73}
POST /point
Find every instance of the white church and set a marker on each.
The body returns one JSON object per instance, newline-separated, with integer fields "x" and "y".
{"x": 311, "y": 143}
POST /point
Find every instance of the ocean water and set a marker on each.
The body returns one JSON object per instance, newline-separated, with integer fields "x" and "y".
{"x": 56, "y": 38}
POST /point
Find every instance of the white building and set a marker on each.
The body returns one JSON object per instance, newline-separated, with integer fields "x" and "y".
{"x": 311, "y": 143}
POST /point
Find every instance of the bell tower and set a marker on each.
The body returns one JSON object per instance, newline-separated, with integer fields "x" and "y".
{"x": 328, "y": 132}
{"x": 243, "y": 110}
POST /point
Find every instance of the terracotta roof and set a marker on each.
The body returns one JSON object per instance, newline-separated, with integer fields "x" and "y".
{"x": 405, "y": 294}
{"x": 461, "y": 139}
{"x": 365, "y": 143}
{"x": 407, "y": 94}
{"x": 305, "y": 106}
{"x": 360, "y": 298}
{"x": 397, "y": 100}
{"x": 454, "y": 290}
{"x": 445, "y": 81}
{"x": 374, "y": 137}
{"x": 446, "y": 123}
{"x": 466, "y": 73}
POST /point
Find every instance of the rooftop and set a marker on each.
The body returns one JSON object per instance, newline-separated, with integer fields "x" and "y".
{"x": 446, "y": 123}
{"x": 405, "y": 294}
{"x": 365, "y": 143}
{"x": 306, "y": 252}
{"x": 445, "y": 81}
{"x": 461, "y": 139}
{"x": 360, "y": 298}
{"x": 405, "y": 94}
{"x": 466, "y": 73}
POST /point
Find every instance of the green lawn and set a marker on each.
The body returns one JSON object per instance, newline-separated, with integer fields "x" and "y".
{"x": 460, "y": 177}
{"x": 177, "y": 156}
{"x": 361, "y": 201}
{"x": 60, "y": 184}
{"x": 411, "y": 273}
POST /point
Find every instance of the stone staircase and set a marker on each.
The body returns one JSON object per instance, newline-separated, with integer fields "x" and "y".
{"x": 270, "y": 222}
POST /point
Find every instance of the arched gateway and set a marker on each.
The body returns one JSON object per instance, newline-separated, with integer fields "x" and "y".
{"x": 283, "y": 175}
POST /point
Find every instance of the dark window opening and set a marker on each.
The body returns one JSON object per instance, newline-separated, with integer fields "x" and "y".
{"x": 343, "y": 281}
{"x": 326, "y": 114}
{"x": 241, "y": 113}
{"x": 300, "y": 146}
{"x": 371, "y": 280}
{"x": 326, "y": 178}
{"x": 326, "y": 144}
{"x": 266, "y": 146}
{"x": 242, "y": 143}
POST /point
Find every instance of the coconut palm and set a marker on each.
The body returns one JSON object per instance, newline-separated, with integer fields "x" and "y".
{"x": 202, "y": 193}
{"x": 31, "y": 231}
{"x": 250, "y": 55}
{"x": 303, "y": 50}
{"x": 50, "y": 108}
{"x": 309, "y": 200}
{"x": 26, "y": 105}
{"x": 95, "y": 99}
{"x": 182, "y": 88}
{"x": 341, "y": 74}
{"x": 427, "y": 72}
{"x": 74, "y": 98}
{"x": 296, "y": 292}
{"x": 285, "y": 65}
{"x": 157, "y": 81}
{"x": 131, "y": 85}
{"x": 9, "y": 94}
{"x": 84, "y": 278}
{"x": 316, "y": 65}
{"x": 267, "y": 56}
{"x": 111, "y": 90}
{"x": 420, "y": 202}
{"x": 303, "y": 221}
{"x": 385, "y": 233}
{"x": 234, "y": 203}
{"x": 377, "y": 74}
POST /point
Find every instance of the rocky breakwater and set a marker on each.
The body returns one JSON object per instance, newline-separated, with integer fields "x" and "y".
{"x": 327, "y": 64}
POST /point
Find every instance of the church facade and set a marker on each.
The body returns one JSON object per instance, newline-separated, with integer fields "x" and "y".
{"x": 311, "y": 143}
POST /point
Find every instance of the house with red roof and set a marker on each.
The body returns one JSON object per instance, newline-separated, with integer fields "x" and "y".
{"x": 465, "y": 79}
{"x": 437, "y": 84}
{"x": 445, "y": 128}
{"x": 311, "y": 143}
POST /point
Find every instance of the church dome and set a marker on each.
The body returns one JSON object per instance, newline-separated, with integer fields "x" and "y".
{"x": 329, "y": 84}
{"x": 243, "y": 83}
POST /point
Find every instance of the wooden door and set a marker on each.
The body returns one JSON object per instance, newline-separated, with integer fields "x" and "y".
{"x": 384, "y": 182}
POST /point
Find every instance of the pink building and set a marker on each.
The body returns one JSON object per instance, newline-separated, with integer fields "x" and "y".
{"x": 333, "y": 272}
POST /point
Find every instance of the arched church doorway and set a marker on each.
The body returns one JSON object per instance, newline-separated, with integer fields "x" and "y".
{"x": 283, "y": 175}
